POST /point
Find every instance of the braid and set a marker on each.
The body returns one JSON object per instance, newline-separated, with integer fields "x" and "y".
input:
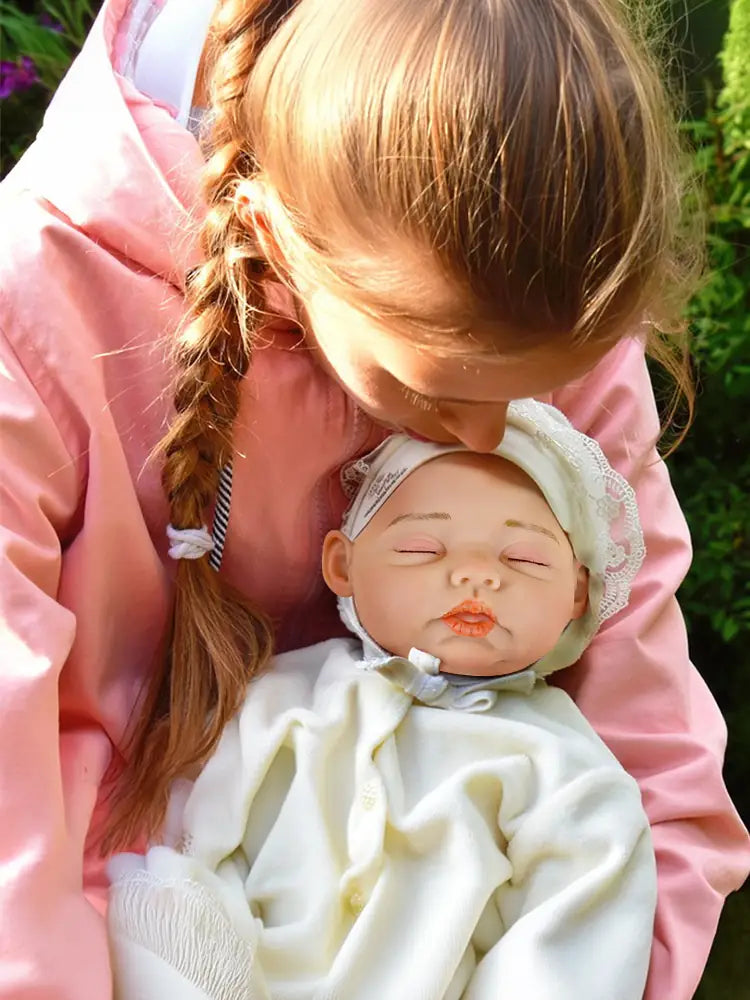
{"x": 216, "y": 641}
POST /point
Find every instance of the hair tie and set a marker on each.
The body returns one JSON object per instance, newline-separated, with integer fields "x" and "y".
{"x": 189, "y": 543}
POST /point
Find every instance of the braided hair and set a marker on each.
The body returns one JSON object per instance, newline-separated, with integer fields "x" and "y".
{"x": 216, "y": 640}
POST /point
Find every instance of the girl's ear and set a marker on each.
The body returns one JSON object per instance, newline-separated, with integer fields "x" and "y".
{"x": 250, "y": 205}
{"x": 252, "y": 209}
{"x": 336, "y": 563}
{"x": 581, "y": 596}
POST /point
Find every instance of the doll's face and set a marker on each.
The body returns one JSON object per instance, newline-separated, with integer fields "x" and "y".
{"x": 465, "y": 561}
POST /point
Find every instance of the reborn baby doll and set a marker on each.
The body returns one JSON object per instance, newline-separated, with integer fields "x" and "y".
{"x": 414, "y": 813}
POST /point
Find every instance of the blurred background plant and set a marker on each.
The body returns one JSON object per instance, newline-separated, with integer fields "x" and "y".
{"x": 711, "y": 469}
{"x": 38, "y": 41}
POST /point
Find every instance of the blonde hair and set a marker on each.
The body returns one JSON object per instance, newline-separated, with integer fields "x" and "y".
{"x": 520, "y": 153}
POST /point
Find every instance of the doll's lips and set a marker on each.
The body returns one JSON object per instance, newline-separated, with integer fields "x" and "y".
{"x": 470, "y": 618}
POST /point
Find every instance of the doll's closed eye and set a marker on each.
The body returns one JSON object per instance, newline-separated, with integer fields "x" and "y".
{"x": 529, "y": 557}
{"x": 418, "y": 546}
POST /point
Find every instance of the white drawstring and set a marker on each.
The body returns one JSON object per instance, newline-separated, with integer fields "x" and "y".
{"x": 189, "y": 543}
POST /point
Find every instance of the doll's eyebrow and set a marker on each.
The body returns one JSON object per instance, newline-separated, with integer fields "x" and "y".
{"x": 532, "y": 527}
{"x": 434, "y": 516}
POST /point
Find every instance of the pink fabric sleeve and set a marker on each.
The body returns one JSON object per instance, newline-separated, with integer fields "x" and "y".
{"x": 52, "y": 941}
{"x": 645, "y": 699}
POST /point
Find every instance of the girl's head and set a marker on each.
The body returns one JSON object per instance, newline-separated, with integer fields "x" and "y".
{"x": 488, "y": 562}
{"x": 472, "y": 200}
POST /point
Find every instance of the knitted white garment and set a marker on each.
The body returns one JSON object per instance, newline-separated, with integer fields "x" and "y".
{"x": 344, "y": 842}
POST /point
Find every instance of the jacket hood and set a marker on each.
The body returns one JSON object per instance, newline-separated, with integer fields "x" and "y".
{"x": 97, "y": 157}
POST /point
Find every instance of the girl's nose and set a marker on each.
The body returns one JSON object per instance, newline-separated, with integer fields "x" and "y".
{"x": 476, "y": 572}
{"x": 478, "y": 426}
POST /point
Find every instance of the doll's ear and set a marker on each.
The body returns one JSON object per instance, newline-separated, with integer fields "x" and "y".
{"x": 581, "y": 596}
{"x": 336, "y": 563}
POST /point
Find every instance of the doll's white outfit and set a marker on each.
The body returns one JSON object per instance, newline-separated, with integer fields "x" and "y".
{"x": 372, "y": 829}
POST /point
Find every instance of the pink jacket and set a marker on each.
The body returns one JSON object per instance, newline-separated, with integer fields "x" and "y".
{"x": 94, "y": 244}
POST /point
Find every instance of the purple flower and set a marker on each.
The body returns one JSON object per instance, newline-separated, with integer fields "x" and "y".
{"x": 47, "y": 21}
{"x": 17, "y": 76}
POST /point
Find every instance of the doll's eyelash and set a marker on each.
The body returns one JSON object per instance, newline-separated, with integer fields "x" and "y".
{"x": 418, "y": 552}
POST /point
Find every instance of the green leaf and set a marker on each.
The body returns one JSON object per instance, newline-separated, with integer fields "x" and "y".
{"x": 50, "y": 52}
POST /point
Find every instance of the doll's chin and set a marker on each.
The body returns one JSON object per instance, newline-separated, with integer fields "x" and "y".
{"x": 494, "y": 669}
{"x": 472, "y": 656}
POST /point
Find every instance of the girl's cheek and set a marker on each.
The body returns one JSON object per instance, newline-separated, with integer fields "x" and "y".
{"x": 371, "y": 395}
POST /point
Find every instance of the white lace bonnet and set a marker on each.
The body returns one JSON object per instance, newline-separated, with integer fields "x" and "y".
{"x": 594, "y": 505}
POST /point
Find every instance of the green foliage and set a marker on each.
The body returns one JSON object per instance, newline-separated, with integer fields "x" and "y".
{"x": 735, "y": 62}
{"x": 24, "y": 35}
{"x": 51, "y": 43}
{"x": 711, "y": 470}
{"x": 47, "y": 39}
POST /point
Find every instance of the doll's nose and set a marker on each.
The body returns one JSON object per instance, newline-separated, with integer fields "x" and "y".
{"x": 476, "y": 572}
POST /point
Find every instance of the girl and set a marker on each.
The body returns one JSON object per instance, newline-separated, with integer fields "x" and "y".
{"x": 467, "y": 201}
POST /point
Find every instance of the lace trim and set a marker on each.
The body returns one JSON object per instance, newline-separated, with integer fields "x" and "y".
{"x": 606, "y": 504}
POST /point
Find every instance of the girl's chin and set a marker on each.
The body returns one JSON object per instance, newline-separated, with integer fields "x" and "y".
{"x": 416, "y": 436}
{"x": 429, "y": 431}
{"x": 440, "y": 436}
